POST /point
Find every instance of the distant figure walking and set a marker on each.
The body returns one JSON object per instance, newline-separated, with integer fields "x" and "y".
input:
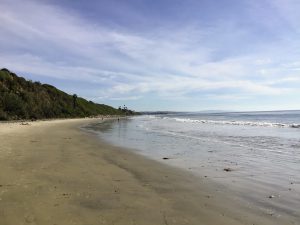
{"x": 118, "y": 119}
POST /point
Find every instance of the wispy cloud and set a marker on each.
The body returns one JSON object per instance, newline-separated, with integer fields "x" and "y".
{"x": 167, "y": 62}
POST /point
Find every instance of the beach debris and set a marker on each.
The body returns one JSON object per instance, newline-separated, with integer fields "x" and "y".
{"x": 66, "y": 195}
{"x": 228, "y": 169}
{"x": 165, "y": 158}
{"x": 271, "y": 196}
{"x": 270, "y": 213}
{"x": 23, "y": 123}
{"x": 67, "y": 138}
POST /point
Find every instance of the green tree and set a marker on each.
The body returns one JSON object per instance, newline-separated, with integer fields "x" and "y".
{"x": 74, "y": 101}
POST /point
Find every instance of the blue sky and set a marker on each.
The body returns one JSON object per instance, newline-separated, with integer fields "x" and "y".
{"x": 159, "y": 54}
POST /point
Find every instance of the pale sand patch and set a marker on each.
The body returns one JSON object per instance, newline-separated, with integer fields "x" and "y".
{"x": 53, "y": 173}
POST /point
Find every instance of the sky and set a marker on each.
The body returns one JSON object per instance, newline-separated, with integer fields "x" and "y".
{"x": 177, "y": 55}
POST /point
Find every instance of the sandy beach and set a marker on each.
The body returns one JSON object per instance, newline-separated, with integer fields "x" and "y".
{"x": 53, "y": 173}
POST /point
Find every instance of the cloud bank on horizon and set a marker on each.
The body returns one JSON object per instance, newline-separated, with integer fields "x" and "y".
{"x": 159, "y": 55}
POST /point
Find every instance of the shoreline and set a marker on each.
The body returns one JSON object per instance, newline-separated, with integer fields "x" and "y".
{"x": 52, "y": 172}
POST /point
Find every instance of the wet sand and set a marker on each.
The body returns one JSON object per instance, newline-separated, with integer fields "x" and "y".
{"x": 53, "y": 173}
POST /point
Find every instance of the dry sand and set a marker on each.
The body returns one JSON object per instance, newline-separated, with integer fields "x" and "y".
{"x": 53, "y": 173}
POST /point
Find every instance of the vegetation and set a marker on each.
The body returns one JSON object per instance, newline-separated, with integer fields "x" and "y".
{"x": 126, "y": 111}
{"x": 22, "y": 99}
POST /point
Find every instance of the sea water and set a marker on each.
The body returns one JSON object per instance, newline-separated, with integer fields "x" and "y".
{"x": 255, "y": 154}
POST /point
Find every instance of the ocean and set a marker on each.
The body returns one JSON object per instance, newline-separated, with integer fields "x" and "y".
{"x": 256, "y": 155}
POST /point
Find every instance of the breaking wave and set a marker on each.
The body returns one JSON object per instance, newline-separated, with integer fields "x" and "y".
{"x": 237, "y": 123}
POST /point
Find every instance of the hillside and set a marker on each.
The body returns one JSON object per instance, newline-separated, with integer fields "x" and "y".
{"x": 22, "y": 99}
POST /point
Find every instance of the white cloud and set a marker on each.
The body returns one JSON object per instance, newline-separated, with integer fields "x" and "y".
{"x": 175, "y": 62}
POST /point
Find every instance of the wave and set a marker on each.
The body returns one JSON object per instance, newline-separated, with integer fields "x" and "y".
{"x": 237, "y": 123}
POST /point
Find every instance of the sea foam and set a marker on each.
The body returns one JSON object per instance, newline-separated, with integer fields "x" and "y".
{"x": 237, "y": 123}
